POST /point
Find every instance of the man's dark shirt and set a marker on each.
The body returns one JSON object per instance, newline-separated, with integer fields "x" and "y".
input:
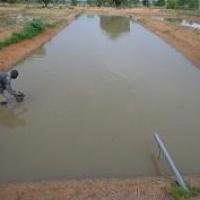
{"x": 5, "y": 83}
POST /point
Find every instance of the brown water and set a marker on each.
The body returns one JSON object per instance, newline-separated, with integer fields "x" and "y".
{"x": 95, "y": 95}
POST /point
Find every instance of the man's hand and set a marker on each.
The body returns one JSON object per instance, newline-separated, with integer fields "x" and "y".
{"x": 19, "y": 96}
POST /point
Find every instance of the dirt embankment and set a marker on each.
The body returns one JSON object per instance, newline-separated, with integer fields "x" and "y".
{"x": 105, "y": 189}
{"x": 12, "y": 54}
{"x": 126, "y": 12}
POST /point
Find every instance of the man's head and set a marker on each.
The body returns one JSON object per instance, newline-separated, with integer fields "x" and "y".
{"x": 14, "y": 74}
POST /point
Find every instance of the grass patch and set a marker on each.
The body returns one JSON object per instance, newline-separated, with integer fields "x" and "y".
{"x": 31, "y": 29}
{"x": 178, "y": 193}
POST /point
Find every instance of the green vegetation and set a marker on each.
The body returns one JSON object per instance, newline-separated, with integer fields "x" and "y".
{"x": 146, "y": 3}
{"x": 172, "y": 4}
{"x": 188, "y": 5}
{"x": 178, "y": 4}
{"x": 193, "y": 4}
{"x": 160, "y": 3}
{"x": 74, "y": 2}
{"x": 115, "y": 3}
{"x": 31, "y": 29}
{"x": 178, "y": 193}
{"x": 46, "y": 2}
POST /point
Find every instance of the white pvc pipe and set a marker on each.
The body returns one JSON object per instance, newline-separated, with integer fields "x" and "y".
{"x": 170, "y": 162}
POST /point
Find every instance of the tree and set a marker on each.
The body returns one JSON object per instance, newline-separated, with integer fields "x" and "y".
{"x": 46, "y": 2}
{"x": 9, "y": 1}
{"x": 117, "y": 2}
{"x": 74, "y": 2}
{"x": 135, "y": 2}
{"x": 171, "y": 4}
{"x": 193, "y": 3}
{"x": 145, "y": 3}
{"x": 182, "y": 3}
{"x": 91, "y": 2}
{"x": 160, "y": 3}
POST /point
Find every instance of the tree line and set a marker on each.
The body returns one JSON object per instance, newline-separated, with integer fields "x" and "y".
{"x": 170, "y": 4}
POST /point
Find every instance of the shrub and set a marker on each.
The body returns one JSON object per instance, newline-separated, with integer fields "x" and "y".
{"x": 193, "y": 3}
{"x": 91, "y": 2}
{"x": 160, "y": 3}
{"x": 145, "y": 3}
{"x": 74, "y": 2}
{"x": 46, "y": 2}
{"x": 33, "y": 28}
{"x": 99, "y": 3}
{"x": 179, "y": 193}
{"x": 172, "y": 4}
{"x": 182, "y": 3}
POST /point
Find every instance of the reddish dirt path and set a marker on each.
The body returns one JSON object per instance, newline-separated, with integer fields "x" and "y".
{"x": 145, "y": 188}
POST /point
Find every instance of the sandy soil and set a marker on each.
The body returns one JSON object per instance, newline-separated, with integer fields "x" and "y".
{"x": 145, "y": 188}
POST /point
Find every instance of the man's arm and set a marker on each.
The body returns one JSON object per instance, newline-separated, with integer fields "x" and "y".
{"x": 8, "y": 86}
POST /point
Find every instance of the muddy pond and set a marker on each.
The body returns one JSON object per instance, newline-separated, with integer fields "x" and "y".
{"x": 95, "y": 95}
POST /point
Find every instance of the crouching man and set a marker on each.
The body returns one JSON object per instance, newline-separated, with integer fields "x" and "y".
{"x": 5, "y": 85}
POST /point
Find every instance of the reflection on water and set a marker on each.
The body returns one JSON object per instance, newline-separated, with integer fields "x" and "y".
{"x": 156, "y": 164}
{"x": 90, "y": 16}
{"x": 38, "y": 53}
{"x": 115, "y": 26}
{"x": 12, "y": 116}
{"x": 41, "y": 51}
